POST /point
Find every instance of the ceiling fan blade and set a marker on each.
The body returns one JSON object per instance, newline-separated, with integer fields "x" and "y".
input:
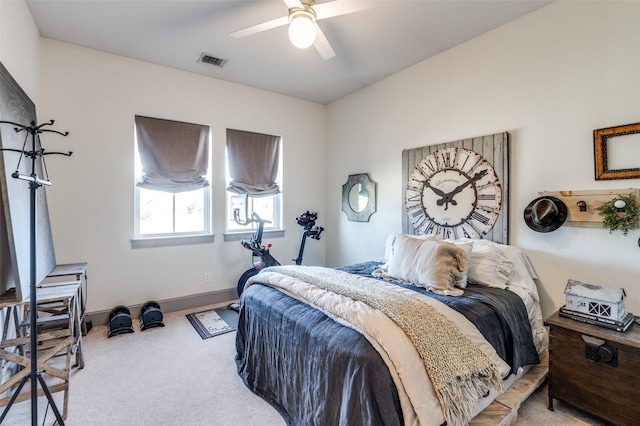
{"x": 261, "y": 27}
{"x": 322, "y": 45}
{"x": 344, "y": 7}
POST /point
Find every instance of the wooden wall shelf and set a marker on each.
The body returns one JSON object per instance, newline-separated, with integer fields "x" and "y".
{"x": 593, "y": 200}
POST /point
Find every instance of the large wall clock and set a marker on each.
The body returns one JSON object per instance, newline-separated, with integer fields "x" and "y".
{"x": 453, "y": 192}
{"x": 457, "y": 192}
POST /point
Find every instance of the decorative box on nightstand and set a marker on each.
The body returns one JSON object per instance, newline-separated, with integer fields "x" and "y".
{"x": 595, "y": 369}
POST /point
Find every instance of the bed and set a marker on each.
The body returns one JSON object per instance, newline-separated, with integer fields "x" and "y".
{"x": 429, "y": 334}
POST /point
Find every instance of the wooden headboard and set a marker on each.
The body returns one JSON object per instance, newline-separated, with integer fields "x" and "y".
{"x": 492, "y": 148}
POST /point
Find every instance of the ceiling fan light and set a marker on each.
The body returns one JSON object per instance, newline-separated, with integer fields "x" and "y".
{"x": 302, "y": 30}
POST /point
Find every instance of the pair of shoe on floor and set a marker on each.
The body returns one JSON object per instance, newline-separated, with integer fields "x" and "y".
{"x": 120, "y": 319}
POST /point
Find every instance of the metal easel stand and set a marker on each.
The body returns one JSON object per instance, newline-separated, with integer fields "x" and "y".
{"x": 34, "y": 183}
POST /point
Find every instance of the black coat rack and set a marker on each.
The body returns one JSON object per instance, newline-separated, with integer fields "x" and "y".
{"x": 36, "y": 153}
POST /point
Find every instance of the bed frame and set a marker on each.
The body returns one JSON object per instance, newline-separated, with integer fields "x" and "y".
{"x": 503, "y": 411}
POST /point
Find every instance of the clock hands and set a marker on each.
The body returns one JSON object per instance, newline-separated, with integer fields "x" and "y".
{"x": 448, "y": 197}
{"x": 443, "y": 195}
{"x": 436, "y": 190}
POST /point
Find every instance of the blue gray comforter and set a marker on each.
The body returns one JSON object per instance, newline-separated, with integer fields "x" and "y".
{"x": 315, "y": 371}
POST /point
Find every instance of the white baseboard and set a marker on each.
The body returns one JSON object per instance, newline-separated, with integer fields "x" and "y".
{"x": 170, "y": 305}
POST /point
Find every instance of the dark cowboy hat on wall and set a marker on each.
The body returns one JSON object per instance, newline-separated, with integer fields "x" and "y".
{"x": 545, "y": 214}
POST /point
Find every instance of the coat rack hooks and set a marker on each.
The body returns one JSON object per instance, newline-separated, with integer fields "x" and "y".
{"x": 37, "y": 149}
{"x": 582, "y": 205}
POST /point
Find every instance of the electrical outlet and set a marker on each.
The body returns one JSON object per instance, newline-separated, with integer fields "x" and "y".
{"x": 207, "y": 277}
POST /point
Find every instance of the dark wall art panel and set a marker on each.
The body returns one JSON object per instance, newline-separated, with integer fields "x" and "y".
{"x": 15, "y": 224}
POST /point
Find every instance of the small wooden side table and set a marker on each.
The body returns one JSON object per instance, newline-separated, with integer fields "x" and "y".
{"x": 607, "y": 387}
{"x": 59, "y": 278}
{"x": 61, "y": 273}
{"x": 58, "y": 340}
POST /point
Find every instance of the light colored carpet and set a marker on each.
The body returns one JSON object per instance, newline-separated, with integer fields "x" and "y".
{"x": 161, "y": 376}
{"x": 171, "y": 376}
{"x": 534, "y": 412}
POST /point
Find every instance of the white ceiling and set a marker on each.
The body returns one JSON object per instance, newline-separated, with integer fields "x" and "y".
{"x": 369, "y": 45}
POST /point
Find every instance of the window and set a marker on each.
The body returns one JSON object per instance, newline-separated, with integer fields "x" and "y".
{"x": 172, "y": 171}
{"x": 165, "y": 214}
{"x": 253, "y": 180}
{"x": 268, "y": 208}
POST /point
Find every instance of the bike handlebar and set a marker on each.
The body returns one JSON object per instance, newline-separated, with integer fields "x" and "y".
{"x": 306, "y": 220}
{"x": 254, "y": 218}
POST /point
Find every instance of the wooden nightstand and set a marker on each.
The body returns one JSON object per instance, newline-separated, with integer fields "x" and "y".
{"x": 609, "y": 390}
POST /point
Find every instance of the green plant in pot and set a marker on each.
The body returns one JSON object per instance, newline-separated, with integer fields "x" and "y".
{"x": 618, "y": 216}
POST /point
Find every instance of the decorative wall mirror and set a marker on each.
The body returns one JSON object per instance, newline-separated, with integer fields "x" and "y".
{"x": 359, "y": 198}
{"x": 617, "y": 150}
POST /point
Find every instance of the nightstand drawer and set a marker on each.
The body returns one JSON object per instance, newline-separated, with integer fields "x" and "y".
{"x": 608, "y": 391}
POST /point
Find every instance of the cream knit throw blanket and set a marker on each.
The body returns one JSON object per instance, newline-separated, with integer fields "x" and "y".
{"x": 459, "y": 372}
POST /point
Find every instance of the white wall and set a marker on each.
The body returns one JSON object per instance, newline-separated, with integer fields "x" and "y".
{"x": 95, "y": 96}
{"x": 549, "y": 79}
{"x": 20, "y": 55}
{"x": 20, "y": 46}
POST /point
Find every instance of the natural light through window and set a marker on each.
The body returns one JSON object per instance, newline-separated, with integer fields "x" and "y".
{"x": 268, "y": 208}
{"x": 163, "y": 213}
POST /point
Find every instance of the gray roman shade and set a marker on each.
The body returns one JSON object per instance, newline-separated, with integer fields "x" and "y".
{"x": 174, "y": 155}
{"x": 253, "y": 163}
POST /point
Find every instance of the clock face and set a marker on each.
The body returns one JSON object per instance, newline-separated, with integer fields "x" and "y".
{"x": 453, "y": 192}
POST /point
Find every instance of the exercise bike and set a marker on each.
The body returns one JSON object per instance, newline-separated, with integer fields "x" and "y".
{"x": 261, "y": 257}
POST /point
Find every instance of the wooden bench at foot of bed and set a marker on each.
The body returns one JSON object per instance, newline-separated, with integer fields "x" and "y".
{"x": 504, "y": 410}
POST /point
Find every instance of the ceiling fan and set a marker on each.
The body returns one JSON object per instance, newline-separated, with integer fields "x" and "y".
{"x": 303, "y": 26}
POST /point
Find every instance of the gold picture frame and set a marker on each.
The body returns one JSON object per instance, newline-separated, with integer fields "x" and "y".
{"x": 602, "y": 139}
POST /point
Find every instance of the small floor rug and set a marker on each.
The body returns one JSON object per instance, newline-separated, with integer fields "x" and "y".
{"x": 213, "y": 322}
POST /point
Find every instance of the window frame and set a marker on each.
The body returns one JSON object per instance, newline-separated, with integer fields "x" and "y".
{"x": 173, "y": 238}
{"x": 275, "y": 229}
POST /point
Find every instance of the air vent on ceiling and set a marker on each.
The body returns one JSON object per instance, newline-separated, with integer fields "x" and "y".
{"x": 205, "y": 58}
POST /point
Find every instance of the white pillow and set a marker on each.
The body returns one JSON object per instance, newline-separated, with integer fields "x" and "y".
{"x": 489, "y": 265}
{"x": 433, "y": 265}
{"x": 391, "y": 239}
{"x": 522, "y": 275}
{"x": 501, "y": 259}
